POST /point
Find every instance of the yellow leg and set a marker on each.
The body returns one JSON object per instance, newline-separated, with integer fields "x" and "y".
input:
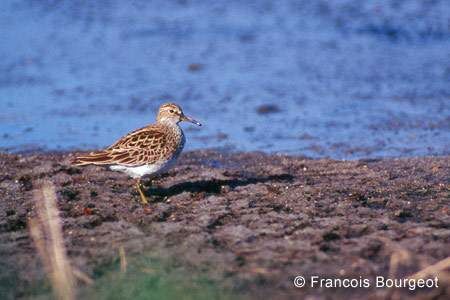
{"x": 141, "y": 193}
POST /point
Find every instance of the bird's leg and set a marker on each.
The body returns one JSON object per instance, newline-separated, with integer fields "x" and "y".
{"x": 141, "y": 193}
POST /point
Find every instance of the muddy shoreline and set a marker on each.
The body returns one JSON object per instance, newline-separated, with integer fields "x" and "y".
{"x": 251, "y": 221}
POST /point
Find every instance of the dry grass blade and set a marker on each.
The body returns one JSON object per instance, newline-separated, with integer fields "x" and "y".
{"x": 123, "y": 260}
{"x": 82, "y": 276}
{"x": 398, "y": 257}
{"x": 47, "y": 235}
{"x": 433, "y": 270}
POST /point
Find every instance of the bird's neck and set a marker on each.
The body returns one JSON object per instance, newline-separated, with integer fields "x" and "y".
{"x": 169, "y": 122}
{"x": 172, "y": 125}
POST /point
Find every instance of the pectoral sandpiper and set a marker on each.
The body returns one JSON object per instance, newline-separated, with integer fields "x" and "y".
{"x": 146, "y": 151}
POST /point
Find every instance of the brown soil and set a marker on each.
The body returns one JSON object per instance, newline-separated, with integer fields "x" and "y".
{"x": 250, "y": 220}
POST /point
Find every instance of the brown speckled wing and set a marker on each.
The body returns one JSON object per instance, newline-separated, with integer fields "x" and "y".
{"x": 143, "y": 146}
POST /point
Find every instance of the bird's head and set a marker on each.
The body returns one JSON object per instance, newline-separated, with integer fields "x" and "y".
{"x": 172, "y": 113}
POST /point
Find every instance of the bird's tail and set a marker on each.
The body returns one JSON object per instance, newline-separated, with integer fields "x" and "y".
{"x": 95, "y": 158}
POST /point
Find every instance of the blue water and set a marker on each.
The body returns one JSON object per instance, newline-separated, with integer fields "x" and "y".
{"x": 350, "y": 80}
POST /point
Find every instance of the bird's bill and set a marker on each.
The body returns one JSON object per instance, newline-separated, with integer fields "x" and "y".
{"x": 191, "y": 120}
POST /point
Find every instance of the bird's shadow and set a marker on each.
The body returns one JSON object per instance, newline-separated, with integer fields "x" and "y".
{"x": 212, "y": 186}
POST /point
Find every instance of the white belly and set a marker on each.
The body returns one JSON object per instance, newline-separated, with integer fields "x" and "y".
{"x": 137, "y": 172}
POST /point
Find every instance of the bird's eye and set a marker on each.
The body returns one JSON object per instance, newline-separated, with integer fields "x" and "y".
{"x": 171, "y": 111}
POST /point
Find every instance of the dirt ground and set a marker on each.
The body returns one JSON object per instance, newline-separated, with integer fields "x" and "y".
{"x": 250, "y": 220}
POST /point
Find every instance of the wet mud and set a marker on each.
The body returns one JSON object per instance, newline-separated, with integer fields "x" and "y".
{"x": 251, "y": 221}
